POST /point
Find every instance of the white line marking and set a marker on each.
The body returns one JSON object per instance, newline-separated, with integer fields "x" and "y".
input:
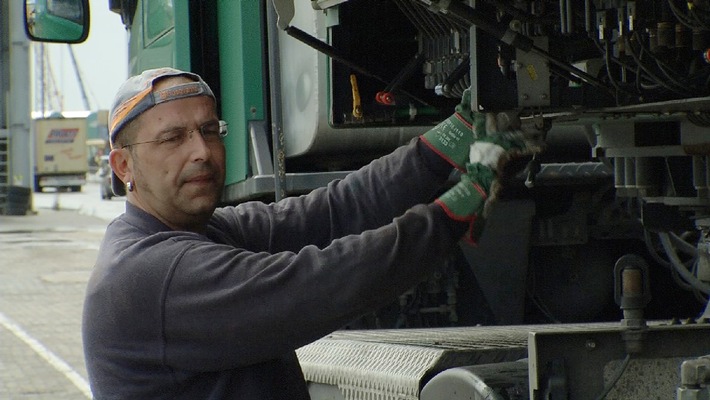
{"x": 46, "y": 354}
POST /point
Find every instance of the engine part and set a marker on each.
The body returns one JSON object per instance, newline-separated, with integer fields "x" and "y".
{"x": 632, "y": 293}
{"x": 694, "y": 379}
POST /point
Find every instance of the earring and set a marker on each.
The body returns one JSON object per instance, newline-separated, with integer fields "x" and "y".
{"x": 129, "y": 186}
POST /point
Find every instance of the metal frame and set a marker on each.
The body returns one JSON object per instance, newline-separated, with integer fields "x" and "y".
{"x": 577, "y": 362}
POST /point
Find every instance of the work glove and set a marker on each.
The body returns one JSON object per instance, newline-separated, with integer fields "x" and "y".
{"x": 472, "y": 197}
{"x": 465, "y": 200}
{"x": 453, "y": 137}
{"x": 508, "y": 148}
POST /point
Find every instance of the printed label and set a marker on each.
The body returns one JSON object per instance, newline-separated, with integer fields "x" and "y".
{"x": 62, "y": 135}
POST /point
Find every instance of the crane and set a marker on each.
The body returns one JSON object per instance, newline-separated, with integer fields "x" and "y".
{"x": 47, "y": 96}
{"x": 79, "y": 79}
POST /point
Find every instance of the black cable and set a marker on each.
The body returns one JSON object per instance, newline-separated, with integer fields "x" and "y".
{"x": 334, "y": 54}
{"x": 681, "y": 16}
{"x": 615, "y": 378}
{"x": 607, "y": 62}
{"x": 650, "y": 73}
{"x": 501, "y": 32}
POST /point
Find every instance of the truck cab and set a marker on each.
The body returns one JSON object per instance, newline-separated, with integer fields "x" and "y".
{"x": 603, "y": 231}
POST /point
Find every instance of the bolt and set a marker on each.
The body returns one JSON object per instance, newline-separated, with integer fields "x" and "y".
{"x": 590, "y": 344}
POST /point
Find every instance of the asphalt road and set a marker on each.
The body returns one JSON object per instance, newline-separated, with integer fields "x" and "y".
{"x": 45, "y": 261}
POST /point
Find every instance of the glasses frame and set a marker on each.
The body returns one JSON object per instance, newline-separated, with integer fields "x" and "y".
{"x": 222, "y": 133}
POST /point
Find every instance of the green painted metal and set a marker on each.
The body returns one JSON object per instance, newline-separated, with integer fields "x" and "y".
{"x": 146, "y": 51}
{"x": 241, "y": 50}
{"x": 241, "y": 76}
{"x": 183, "y": 48}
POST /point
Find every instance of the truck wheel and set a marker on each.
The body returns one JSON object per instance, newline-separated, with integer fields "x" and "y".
{"x": 18, "y": 200}
{"x": 75, "y": 189}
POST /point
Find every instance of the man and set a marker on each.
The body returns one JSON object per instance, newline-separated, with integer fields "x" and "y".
{"x": 189, "y": 301}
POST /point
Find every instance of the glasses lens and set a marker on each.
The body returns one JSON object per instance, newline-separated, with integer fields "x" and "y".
{"x": 211, "y": 130}
{"x": 222, "y": 128}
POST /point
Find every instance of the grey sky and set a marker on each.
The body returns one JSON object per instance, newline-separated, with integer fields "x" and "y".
{"x": 102, "y": 60}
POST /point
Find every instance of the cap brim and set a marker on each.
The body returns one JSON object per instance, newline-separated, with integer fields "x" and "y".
{"x": 119, "y": 189}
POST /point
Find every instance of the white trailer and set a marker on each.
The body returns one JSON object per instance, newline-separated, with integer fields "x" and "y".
{"x": 60, "y": 153}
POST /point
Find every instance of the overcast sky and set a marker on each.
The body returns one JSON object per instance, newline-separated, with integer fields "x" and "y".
{"x": 102, "y": 61}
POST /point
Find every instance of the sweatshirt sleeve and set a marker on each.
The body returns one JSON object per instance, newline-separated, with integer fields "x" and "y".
{"x": 230, "y": 307}
{"x": 365, "y": 199}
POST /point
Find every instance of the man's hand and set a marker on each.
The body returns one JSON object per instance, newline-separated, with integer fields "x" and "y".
{"x": 488, "y": 156}
{"x": 453, "y": 137}
{"x": 465, "y": 201}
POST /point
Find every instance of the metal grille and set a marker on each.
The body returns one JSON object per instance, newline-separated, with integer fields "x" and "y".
{"x": 393, "y": 364}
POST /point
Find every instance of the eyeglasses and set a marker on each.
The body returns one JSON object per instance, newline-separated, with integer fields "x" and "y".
{"x": 211, "y": 132}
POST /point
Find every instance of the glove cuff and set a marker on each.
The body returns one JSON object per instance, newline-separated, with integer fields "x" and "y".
{"x": 463, "y": 201}
{"x": 451, "y": 140}
{"x": 474, "y": 231}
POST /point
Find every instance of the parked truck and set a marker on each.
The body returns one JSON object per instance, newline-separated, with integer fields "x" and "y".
{"x": 61, "y": 153}
{"x": 591, "y": 278}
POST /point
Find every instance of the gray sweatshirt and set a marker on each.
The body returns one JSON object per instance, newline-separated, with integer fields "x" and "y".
{"x": 173, "y": 314}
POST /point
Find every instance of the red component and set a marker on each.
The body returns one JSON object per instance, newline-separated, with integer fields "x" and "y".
{"x": 706, "y": 56}
{"x": 385, "y": 98}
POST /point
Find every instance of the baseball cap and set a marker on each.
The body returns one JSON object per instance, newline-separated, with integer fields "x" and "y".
{"x": 137, "y": 95}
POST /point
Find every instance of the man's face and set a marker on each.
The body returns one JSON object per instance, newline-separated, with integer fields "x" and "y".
{"x": 180, "y": 184}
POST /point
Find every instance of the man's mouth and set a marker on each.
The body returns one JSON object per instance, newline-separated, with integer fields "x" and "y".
{"x": 201, "y": 179}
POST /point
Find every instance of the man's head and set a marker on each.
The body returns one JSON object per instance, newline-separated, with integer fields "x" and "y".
{"x": 166, "y": 146}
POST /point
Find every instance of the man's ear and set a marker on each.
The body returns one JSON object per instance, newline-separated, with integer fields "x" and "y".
{"x": 119, "y": 161}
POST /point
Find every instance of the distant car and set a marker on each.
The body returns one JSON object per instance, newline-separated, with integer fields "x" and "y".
{"x": 104, "y": 174}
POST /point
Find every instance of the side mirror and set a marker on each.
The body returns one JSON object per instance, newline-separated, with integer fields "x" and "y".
{"x": 61, "y": 21}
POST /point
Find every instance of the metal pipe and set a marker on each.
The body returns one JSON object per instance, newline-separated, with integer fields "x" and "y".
{"x": 678, "y": 265}
{"x": 277, "y": 135}
{"x": 563, "y": 16}
{"x": 700, "y": 177}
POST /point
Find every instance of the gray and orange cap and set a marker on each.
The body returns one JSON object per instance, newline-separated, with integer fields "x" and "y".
{"x": 137, "y": 95}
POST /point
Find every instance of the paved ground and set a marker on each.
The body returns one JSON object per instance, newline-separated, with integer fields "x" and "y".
{"x": 45, "y": 261}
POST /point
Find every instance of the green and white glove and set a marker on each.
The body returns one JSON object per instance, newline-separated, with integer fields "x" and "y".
{"x": 465, "y": 200}
{"x": 452, "y": 138}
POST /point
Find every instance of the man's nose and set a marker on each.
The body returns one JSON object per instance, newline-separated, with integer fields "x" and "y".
{"x": 198, "y": 146}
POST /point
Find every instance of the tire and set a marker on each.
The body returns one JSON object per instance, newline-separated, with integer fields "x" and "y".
{"x": 106, "y": 194}
{"x": 18, "y": 200}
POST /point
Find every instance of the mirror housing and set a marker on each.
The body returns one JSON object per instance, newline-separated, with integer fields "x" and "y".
{"x": 58, "y": 21}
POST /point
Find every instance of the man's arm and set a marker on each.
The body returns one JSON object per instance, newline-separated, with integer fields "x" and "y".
{"x": 230, "y": 307}
{"x": 282, "y": 300}
{"x": 365, "y": 199}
